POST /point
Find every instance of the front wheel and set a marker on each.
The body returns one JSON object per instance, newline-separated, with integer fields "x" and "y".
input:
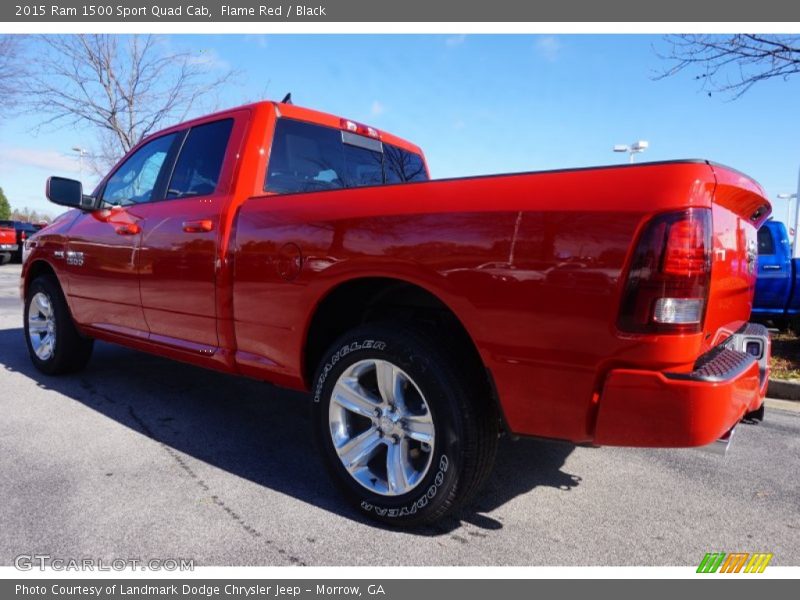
{"x": 405, "y": 422}
{"x": 54, "y": 344}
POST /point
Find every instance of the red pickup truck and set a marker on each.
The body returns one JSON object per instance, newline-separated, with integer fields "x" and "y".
{"x": 8, "y": 243}
{"x": 603, "y": 306}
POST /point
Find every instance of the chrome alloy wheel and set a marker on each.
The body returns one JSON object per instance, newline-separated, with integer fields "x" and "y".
{"x": 42, "y": 326}
{"x": 381, "y": 427}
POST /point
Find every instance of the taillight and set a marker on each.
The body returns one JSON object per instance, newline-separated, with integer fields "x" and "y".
{"x": 23, "y": 236}
{"x": 668, "y": 280}
{"x": 686, "y": 248}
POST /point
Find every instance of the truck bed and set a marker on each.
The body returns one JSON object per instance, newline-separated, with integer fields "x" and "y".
{"x": 533, "y": 264}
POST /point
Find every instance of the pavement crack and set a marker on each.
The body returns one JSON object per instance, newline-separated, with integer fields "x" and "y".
{"x": 204, "y": 486}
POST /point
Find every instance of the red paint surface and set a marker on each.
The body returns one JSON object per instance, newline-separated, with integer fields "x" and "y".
{"x": 8, "y": 235}
{"x": 531, "y": 264}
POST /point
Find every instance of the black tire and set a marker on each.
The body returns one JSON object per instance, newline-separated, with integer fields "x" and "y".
{"x": 457, "y": 394}
{"x": 5, "y": 258}
{"x": 70, "y": 350}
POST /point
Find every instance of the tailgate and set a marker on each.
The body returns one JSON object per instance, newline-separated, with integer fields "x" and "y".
{"x": 8, "y": 236}
{"x": 739, "y": 208}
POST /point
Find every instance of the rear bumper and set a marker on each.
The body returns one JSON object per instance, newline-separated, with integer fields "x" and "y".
{"x": 655, "y": 409}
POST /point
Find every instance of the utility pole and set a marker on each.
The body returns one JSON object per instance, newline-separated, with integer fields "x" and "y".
{"x": 81, "y": 153}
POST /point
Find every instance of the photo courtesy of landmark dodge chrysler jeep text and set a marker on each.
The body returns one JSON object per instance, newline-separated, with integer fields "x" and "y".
{"x": 604, "y": 306}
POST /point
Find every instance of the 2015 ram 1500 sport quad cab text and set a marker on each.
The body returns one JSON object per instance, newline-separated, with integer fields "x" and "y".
{"x": 604, "y": 306}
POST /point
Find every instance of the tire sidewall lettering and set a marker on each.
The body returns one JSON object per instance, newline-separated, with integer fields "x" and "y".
{"x": 341, "y": 353}
{"x": 416, "y": 505}
{"x": 436, "y": 483}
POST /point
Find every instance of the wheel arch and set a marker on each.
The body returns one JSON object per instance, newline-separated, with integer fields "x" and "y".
{"x": 36, "y": 269}
{"x": 366, "y": 299}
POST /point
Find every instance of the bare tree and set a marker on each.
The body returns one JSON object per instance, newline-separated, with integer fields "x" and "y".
{"x": 124, "y": 86}
{"x": 733, "y": 64}
{"x": 405, "y": 166}
{"x": 12, "y": 71}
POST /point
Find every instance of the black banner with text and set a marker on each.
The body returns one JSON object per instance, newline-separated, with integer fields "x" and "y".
{"x": 407, "y": 11}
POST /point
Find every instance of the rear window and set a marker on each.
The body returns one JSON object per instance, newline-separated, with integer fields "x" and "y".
{"x": 403, "y": 166}
{"x": 307, "y": 158}
{"x": 766, "y": 245}
{"x": 363, "y": 166}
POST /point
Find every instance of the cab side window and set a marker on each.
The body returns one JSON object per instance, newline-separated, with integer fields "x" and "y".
{"x": 135, "y": 180}
{"x": 199, "y": 164}
{"x": 766, "y": 245}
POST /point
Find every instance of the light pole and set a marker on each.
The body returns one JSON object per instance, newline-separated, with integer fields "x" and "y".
{"x": 792, "y": 228}
{"x": 795, "y": 249}
{"x": 81, "y": 153}
{"x": 632, "y": 149}
{"x": 788, "y": 198}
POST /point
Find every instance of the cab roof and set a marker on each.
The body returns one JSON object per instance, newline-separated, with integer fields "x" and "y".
{"x": 292, "y": 111}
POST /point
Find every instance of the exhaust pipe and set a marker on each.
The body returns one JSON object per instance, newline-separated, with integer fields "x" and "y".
{"x": 721, "y": 445}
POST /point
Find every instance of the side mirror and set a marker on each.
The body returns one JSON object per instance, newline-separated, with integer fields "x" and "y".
{"x": 68, "y": 192}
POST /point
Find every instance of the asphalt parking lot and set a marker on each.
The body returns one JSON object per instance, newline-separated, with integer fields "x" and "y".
{"x": 141, "y": 457}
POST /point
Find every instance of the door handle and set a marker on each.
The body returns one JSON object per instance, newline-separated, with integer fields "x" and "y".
{"x": 771, "y": 268}
{"x": 201, "y": 226}
{"x": 130, "y": 229}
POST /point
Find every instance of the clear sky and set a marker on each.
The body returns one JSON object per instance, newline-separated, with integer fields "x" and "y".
{"x": 478, "y": 104}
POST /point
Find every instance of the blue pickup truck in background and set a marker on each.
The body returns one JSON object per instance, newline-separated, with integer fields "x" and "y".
{"x": 777, "y": 297}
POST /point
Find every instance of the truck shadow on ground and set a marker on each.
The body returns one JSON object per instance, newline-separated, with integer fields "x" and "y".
{"x": 255, "y": 430}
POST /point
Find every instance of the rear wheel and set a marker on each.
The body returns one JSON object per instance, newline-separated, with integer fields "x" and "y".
{"x": 54, "y": 344}
{"x": 404, "y": 421}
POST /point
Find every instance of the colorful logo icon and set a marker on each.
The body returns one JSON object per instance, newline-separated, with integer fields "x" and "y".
{"x": 735, "y": 562}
